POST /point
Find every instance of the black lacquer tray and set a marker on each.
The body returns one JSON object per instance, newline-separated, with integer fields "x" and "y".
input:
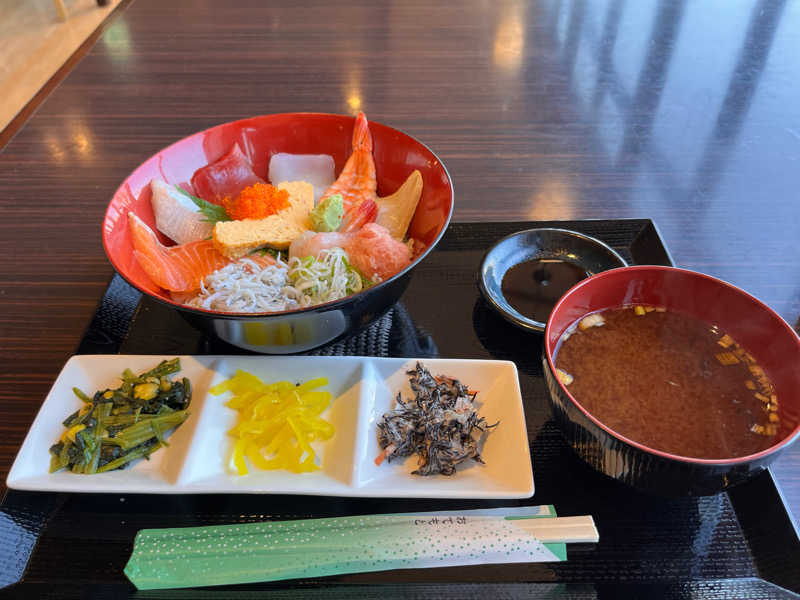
{"x": 740, "y": 544}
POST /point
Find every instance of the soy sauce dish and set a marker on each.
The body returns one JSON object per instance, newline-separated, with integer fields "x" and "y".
{"x": 525, "y": 273}
{"x": 672, "y": 381}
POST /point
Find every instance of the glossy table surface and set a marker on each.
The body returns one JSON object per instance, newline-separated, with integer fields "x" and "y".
{"x": 682, "y": 112}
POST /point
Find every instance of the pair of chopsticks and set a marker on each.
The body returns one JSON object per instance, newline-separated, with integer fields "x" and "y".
{"x": 567, "y": 530}
{"x": 302, "y": 548}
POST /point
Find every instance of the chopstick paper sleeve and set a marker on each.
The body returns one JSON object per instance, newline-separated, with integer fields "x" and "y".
{"x": 254, "y": 552}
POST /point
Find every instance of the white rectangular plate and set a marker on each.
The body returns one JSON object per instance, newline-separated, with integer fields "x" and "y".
{"x": 198, "y": 459}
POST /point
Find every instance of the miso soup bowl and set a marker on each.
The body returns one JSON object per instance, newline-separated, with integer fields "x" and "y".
{"x": 773, "y": 343}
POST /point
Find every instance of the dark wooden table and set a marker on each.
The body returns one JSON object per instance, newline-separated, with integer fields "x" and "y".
{"x": 682, "y": 112}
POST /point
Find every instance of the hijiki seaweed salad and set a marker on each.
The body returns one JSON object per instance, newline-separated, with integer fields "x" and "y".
{"x": 440, "y": 424}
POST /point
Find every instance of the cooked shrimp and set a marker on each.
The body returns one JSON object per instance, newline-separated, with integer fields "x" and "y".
{"x": 357, "y": 182}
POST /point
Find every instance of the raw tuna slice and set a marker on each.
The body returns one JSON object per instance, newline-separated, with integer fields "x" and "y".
{"x": 224, "y": 178}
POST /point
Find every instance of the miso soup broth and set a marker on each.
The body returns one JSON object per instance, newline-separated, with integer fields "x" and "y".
{"x": 669, "y": 381}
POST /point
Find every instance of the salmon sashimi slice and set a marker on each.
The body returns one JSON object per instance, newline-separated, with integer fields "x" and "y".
{"x": 224, "y": 178}
{"x": 175, "y": 268}
{"x": 357, "y": 182}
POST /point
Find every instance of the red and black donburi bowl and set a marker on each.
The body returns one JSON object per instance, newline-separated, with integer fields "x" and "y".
{"x": 773, "y": 343}
{"x": 396, "y": 156}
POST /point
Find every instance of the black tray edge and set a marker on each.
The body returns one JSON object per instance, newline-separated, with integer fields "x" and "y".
{"x": 766, "y": 521}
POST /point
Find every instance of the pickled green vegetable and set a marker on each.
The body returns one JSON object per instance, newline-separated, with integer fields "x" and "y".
{"x": 117, "y": 426}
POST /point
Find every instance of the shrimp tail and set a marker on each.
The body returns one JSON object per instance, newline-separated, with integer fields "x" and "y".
{"x": 357, "y": 181}
{"x": 362, "y": 138}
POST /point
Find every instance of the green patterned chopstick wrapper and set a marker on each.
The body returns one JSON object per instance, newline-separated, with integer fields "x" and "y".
{"x": 275, "y": 550}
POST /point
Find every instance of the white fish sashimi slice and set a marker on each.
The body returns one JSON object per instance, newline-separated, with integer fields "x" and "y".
{"x": 177, "y": 216}
{"x": 316, "y": 169}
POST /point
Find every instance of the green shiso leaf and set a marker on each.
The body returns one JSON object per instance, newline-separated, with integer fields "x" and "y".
{"x": 213, "y": 213}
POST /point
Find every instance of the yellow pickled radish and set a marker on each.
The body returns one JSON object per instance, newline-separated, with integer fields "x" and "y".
{"x": 277, "y": 422}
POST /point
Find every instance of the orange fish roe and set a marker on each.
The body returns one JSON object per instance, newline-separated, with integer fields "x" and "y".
{"x": 257, "y": 201}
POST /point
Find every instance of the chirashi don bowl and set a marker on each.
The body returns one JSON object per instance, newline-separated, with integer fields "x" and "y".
{"x": 396, "y": 155}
